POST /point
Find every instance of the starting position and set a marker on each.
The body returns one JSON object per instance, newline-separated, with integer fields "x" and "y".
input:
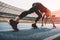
{"x": 38, "y": 8}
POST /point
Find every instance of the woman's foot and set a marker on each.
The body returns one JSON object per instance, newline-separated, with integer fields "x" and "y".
{"x": 13, "y": 24}
{"x": 42, "y": 25}
{"x": 34, "y": 26}
{"x": 54, "y": 26}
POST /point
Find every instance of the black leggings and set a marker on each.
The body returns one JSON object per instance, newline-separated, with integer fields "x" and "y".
{"x": 33, "y": 9}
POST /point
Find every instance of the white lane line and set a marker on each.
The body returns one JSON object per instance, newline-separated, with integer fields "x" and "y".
{"x": 52, "y": 37}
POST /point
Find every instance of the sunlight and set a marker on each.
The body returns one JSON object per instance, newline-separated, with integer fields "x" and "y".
{"x": 51, "y": 4}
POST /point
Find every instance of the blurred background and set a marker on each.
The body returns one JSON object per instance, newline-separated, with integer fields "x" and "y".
{"x": 12, "y": 8}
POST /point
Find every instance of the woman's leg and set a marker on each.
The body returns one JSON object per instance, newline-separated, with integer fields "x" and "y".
{"x": 14, "y": 22}
{"x": 37, "y": 19}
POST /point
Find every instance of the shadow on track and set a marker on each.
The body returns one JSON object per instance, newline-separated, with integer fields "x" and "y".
{"x": 26, "y": 32}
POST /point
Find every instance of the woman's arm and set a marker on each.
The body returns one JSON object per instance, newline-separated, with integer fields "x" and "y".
{"x": 51, "y": 18}
{"x": 42, "y": 19}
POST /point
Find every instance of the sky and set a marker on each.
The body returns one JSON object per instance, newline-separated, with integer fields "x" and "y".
{"x": 26, "y": 4}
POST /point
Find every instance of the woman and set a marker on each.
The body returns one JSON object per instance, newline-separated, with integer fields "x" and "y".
{"x": 38, "y": 8}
